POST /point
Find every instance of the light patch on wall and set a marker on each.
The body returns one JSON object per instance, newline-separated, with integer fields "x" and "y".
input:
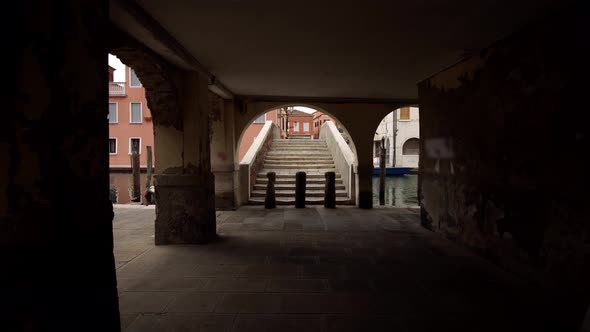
{"x": 439, "y": 148}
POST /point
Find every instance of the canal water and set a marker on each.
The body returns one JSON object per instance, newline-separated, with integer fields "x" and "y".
{"x": 400, "y": 190}
{"x": 121, "y": 187}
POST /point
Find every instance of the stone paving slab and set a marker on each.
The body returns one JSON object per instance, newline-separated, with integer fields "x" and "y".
{"x": 314, "y": 269}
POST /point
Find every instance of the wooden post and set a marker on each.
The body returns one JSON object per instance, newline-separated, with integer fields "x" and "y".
{"x": 270, "y": 200}
{"x": 382, "y": 172}
{"x": 136, "y": 187}
{"x": 148, "y": 182}
{"x": 330, "y": 192}
{"x": 300, "y": 189}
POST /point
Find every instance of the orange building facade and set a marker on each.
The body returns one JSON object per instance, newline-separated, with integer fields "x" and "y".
{"x": 319, "y": 119}
{"x": 130, "y": 121}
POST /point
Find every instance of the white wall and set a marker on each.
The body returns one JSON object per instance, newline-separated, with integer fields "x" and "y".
{"x": 407, "y": 129}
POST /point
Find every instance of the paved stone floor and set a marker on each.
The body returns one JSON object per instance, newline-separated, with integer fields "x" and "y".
{"x": 314, "y": 269}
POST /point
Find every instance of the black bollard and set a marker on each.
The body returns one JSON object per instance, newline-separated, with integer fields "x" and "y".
{"x": 300, "y": 190}
{"x": 330, "y": 192}
{"x": 270, "y": 200}
{"x": 382, "y": 153}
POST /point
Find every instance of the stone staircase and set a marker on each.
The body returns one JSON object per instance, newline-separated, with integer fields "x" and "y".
{"x": 289, "y": 156}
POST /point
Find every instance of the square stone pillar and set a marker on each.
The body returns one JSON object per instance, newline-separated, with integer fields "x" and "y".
{"x": 365, "y": 186}
{"x": 185, "y": 190}
{"x": 185, "y": 209}
{"x": 223, "y": 153}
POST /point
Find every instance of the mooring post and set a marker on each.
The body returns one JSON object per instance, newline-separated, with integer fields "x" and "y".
{"x": 300, "y": 189}
{"x": 135, "y": 169}
{"x": 382, "y": 172}
{"x": 270, "y": 200}
{"x": 148, "y": 181}
{"x": 330, "y": 190}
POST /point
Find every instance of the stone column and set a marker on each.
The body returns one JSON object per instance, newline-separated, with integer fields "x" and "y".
{"x": 223, "y": 153}
{"x": 55, "y": 215}
{"x": 365, "y": 177}
{"x": 185, "y": 184}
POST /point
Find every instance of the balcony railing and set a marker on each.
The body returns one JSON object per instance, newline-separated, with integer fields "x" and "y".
{"x": 116, "y": 88}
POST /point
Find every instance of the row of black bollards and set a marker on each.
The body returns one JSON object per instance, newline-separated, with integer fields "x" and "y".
{"x": 270, "y": 200}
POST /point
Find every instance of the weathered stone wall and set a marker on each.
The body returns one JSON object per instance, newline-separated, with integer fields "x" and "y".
{"x": 185, "y": 208}
{"x": 56, "y": 241}
{"x": 223, "y": 154}
{"x": 492, "y": 128}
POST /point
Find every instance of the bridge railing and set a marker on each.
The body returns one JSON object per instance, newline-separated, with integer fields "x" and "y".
{"x": 344, "y": 159}
{"x": 253, "y": 161}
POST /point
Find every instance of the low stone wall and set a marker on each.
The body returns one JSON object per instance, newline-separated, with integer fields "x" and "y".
{"x": 253, "y": 161}
{"x": 343, "y": 156}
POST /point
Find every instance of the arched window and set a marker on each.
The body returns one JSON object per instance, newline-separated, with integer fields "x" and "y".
{"x": 411, "y": 147}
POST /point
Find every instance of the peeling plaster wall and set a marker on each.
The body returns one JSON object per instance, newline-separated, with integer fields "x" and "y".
{"x": 223, "y": 164}
{"x": 492, "y": 128}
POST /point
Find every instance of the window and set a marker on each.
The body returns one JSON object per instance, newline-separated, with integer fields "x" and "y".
{"x": 112, "y": 145}
{"x": 113, "y": 117}
{"x": 135, "y": 144}
{"x": 135, "y": 112}
{"x": 261, "y": 119}
{"x": 296, "y": 126}
{"x": 411, "y": 147}
{"x": 306, "y": 126}
{"x": 133, "y": 79}
{"x": 404, "y": 113}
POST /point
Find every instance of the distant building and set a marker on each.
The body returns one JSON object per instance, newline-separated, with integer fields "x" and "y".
{"x": 130, "y": 121}
{"x": 291, "y": 123}
{"x": 319, "y": 119}
{"x": 401, "y": 131}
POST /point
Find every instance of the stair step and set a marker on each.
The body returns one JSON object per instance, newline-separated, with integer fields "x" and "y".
{"x": 302, "y": 167}
{"x": 299, "y": 147}
{"x": 285, "y": 186}
{"x": 300, "y": 162}
{"x": 299, "y": 157}
{"x": 285, "y": 180}
{"x": 291, "y": 201}
{"x": 291, "y": 193}
{"x": 290, "y": 173}
{"x": 309, "y": 154}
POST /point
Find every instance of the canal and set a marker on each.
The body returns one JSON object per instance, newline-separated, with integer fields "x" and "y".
{"x": 121, "y": 186}
{"x": 400, "y": 190}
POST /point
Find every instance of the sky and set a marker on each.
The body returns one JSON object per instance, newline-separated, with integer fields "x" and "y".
{"x": 120, "y": 77}
{"x": 119, "y": 66}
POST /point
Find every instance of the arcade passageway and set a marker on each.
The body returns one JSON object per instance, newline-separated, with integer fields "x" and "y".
{"x": 502, "y": 101}
{"x": 317, "y": 269}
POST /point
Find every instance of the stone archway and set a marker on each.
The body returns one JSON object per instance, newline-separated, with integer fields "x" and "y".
{"x": 179, "y": 103}
{"x": 157, "y": 78}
